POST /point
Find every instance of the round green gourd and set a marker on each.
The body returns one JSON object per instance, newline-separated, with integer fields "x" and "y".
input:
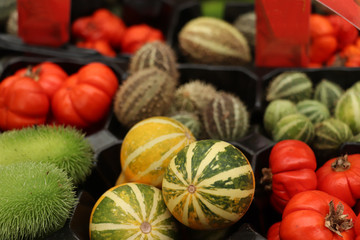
{"x": 191, "y": 121}
{"x": 313, "y": 109}
{"x": 291, "y": 85}
{"x": 132, "y": 211}
{"x": 356, "y": 86}
{"x": 275, "y": 111}
{"x": 294, "y": 126}
{"x": 36, "y": 199}
{"x": 226, "y": 118}
{"x": 328, "y": 93}
{"x": 209, "y": 184}
{"x": 330, "y": 134}
{"x": 348, "y": 110}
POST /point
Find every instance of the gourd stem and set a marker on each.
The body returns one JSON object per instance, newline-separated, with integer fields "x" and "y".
{"x": 145, "y": 227}
{"x": 336, "y": 221}
{"x": 341, "y": 164}
{"x": 191, "y": 189}
{"x": 266, "y": 179}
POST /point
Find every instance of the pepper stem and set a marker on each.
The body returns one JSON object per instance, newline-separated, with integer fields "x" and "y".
{"x": 341, "y": 164}
{"x": 31, "y": 74}
{"x": 336, "y": 221}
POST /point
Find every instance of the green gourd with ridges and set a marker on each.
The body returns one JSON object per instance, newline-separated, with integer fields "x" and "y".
{"x": 146, "y": 93}
{"x": 66, "y": 147}
{"x": 191, "y": 121}
{"x": 155, "y": 54}
{"x": 226, "y": 117}
{"x": 276, "y": 110}
{"x": 209, "y": 184}
{"x": 314, "y": 110}
{"x": 328, "y": 93}
{"x": 132, "y": 211}
{"x": 348, "y": 110}
{"x": 330, "y": 134}
{"x": 294, "y": 126}
{"x": 356, "y": 86}
{"x": 36, "y": 199}
{"x": 291, "y": 85}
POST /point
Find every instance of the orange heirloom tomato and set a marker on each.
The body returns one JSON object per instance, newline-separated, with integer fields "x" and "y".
{"x": 317, "y": 215}
{"x": 86, "y": 96}
{"x": 292, "y": 164}
{"x": 23, "y": 103}
{"x": 340, "y": 177}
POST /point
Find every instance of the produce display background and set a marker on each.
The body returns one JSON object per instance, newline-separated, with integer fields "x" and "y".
{"x": 247, "y": 82}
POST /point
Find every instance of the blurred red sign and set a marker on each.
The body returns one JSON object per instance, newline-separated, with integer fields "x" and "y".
{"x": 348, "y": 9}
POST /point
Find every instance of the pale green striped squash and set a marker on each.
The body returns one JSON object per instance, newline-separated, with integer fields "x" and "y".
{"x": 313, "y": 109}
{"x": 348, "y": 110}
{"x": 209, "y": 184}
{"x": 328, "y": 93}
{"x": 132, "y": 211}
{"x": 291, "y": 85}
{"x": 294, "y": 126}
{"x": 148, "y": 147}
{"x": 331, "y": 133}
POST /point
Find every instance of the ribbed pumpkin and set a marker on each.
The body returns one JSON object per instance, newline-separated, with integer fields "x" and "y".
{"x": 209, "y": 184}
{"x": 131, "y": 211}
{"x": 148, "y": 147}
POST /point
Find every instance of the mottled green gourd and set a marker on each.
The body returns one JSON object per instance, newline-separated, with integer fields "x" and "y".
{"x": 35, "y": 200}
{"x": 314, "y": 110}
{"x": 146, "y": 93}
{"x": 294, "y": 126}
{"x": 226, "y": 118}
{"x": 330, "y": 134}
{"x": 155, "y": 54}
{"x": 193, "y": 97}
{"x": 328, "y": 93}
{"x": 65, "y": 147}
{"x": 276, "y": 110}
{"x": 210, "y": 40}
{"x": 347, "y": 109}
{"x": 291, "y": 85}
{"x": 246, "y": 24}
{"x": 191, "y": 121}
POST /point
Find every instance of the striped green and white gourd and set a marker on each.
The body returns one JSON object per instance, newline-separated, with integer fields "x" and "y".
{"x": 276, "y": 110}
{"x": 348, "y": 110}
{"x": 328, "y": 93}
{"x": 209, "y": 184}
{"x": 132, "y": 211}
{"x": 191, "y": 121}
{"x": 330, "y": 134}
{"x": 294, "y": 126}
{"x": 226, "y": 117}
{"x": 291, "y": 85}
{"x": 313, "y": 109}
{"x": 356, "y": 86}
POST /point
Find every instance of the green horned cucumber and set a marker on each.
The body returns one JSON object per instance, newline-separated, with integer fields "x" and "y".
{"x": 210, "y": 40}
{"x": 347, "y": 110}
{"x": 208, "y": 185}
{"x": 328, "y": 93}
{"x": 155, "y": 54}
{"x": 132, "y": 211}
{"x": 36, "y": 199}
{"x": 314, "y": 110}
{"x": 193, "y": 96}
{"x": 330, "y": 134}
{"x": 294, "y": 126}
{"x": 226, "y": 118}
{"x": 191, "y": 121}
{"x": 275, "y": 111}
{"x": 148, "y": 92}
{"x": 291, "y": 85}
{"x": 66, "y": 147}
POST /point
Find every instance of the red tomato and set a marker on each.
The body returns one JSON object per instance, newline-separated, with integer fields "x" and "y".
{"x": 340, "y": 177}
{"x": 137, "y": 35}
{"x": 49, "y": 75}
{"x": 274, "y": 232}
{"x": 86, "y": 96}
{"x": 292, "y": 163}
{"x": 307, "y": 215}
{"x": 23, "y": 103}
{"x": 344, "y": 31}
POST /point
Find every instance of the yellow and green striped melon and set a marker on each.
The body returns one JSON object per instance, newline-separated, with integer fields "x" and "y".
{"x": 131, "y": 211}
{"x": 148, "y": 147}
{"x": 209, "y": 184}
